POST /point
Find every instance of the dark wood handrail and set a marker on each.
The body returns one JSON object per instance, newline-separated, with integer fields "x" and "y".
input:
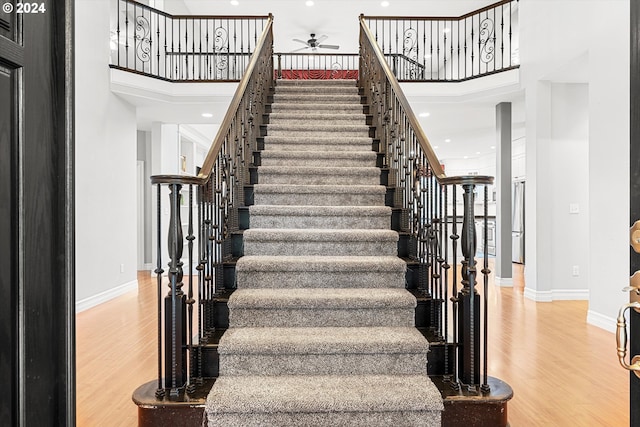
{"x": 218, "y": 141}
{"x": 432, "y": 158}
{"x": 436, "y": 167}
{"x": 441, "y": 18}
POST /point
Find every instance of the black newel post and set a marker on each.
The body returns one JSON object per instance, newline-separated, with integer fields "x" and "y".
{"x": 468, "y": 299}
{"x": 175, "y": 302}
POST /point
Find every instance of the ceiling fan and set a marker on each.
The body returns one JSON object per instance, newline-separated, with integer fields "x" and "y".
{"x": 314, "y": 44}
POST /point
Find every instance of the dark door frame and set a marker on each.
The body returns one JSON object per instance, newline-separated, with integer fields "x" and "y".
{"x": 37, "y": 251}
{"x": 634, "y": 196}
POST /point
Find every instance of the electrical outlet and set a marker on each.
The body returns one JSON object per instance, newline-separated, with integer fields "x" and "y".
{"x": 574, "y": 208}
{"x": 576, "y": 270}
{"x": 121, "y": 268}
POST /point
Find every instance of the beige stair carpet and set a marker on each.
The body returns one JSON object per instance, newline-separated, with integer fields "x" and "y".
{"x": 321, "y": 327}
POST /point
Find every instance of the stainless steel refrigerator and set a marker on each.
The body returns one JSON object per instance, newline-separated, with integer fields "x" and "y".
{"x": 517, "y": 231}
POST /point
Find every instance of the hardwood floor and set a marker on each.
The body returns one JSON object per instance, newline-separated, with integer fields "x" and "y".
{"x": 564, "y": 372}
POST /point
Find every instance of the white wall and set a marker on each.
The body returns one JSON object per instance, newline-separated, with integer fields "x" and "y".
{"x": 105, "y": 167}
{"x": 590, "y": 48}
{"x": 608, "y": 160}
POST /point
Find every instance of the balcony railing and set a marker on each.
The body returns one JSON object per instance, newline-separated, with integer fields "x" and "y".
{"x": 182, "y": 48}
{"x": 435, "y": 49}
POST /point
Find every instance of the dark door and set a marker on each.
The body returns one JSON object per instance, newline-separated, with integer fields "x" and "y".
{"x": 634, "y": 317}
{"x": 36, "y": 214}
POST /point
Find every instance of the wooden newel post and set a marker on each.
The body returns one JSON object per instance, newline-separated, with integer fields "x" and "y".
{"x": 468, "y": 300}
{"x": 175, "y": 320}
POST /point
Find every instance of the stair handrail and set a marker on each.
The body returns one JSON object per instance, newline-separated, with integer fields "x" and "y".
{"x": 391, "y": 79}
{"x": 421, "y": 190}
{"x": 219, "y": 192}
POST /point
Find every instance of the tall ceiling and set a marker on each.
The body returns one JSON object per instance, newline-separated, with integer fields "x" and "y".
{"x": 468, "y": 122}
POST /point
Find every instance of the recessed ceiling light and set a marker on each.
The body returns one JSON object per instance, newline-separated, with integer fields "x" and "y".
{"x": 477, "y": 152}
{"x": 466, "y": 157}
{"x": 447, "y": 140}
{"x": 435, "y": 147}
{"x": 234, "y": 2}
{"x": 384, "y": 4}
{"x": 446, "y": 30}
{"x": 309, "y": 3}
{"x": 424, "y": 114}
{"x": 493, "y": 147}
{"x": 207, "y": 115}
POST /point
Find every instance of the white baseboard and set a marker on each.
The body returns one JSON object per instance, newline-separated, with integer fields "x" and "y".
{"x": 601, "y": 321}
{"x": 557, "y": 295}
{"x": 537, "y": 296}
{"x": 504, "y": 282}
{"x": 105, "y": 296}
{"x": 570, "y": 294}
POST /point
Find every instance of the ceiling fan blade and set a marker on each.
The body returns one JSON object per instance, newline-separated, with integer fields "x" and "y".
{"x": 322, "y": 38}
{"x": 300, "y": 41}
{"x": 298, "y": 50}
{"x": 328, "y": 46}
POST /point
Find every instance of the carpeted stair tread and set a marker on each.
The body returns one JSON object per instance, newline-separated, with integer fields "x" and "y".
{"x": 321, "y": 158}
{"x": 318, "y": 175}
{"x": 325, "y": 264}
{"x": 316, "y": 98}
{"x": 320, "y": 272}
{"x": 308, "y": 116}
{"x": 333, "y": 217}
{"x": 319, "y": 195}
{"x": 328, "y": 211}
{"x": 323, "y": 142}
{"x": 337, "y": 242}
{"x": 317, "y": 108}
{"x": 302, "y": 128}
{"x": 315, "y": 82}
{"x": 319, "y": 235}
{"x": 319, "y": 394}
{"x": 325, "y": 340}
{"x": 322, "y": 298}
{"x": 301, "y": 155}
{"x": 321, "y": 307}
{"x": 310, "y": 90}
{"x": 318, "y": 189}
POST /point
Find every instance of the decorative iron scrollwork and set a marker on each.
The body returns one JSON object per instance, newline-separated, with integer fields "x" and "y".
{"x": 487, "y": 40}
{"x": 143, "y": 41}
{"x": 410, "y": 50}
{"x": 221, "y": 49}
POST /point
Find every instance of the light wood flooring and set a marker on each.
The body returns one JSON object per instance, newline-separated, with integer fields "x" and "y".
{"x": 564, "y": 372}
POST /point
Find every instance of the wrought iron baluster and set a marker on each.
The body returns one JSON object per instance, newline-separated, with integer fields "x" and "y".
{"x": 158, "y": 271}
{"x": 118, "y": 32}
{"x": 485, "y": 277}
{"x": 445, "y": 241}
{"x": 190, "y": 301}
{"x": 126, "y": 35}
{"x": 454, "y": 290}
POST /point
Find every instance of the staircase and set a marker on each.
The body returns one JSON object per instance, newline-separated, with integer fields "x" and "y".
{"x": 321, "y": 328}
